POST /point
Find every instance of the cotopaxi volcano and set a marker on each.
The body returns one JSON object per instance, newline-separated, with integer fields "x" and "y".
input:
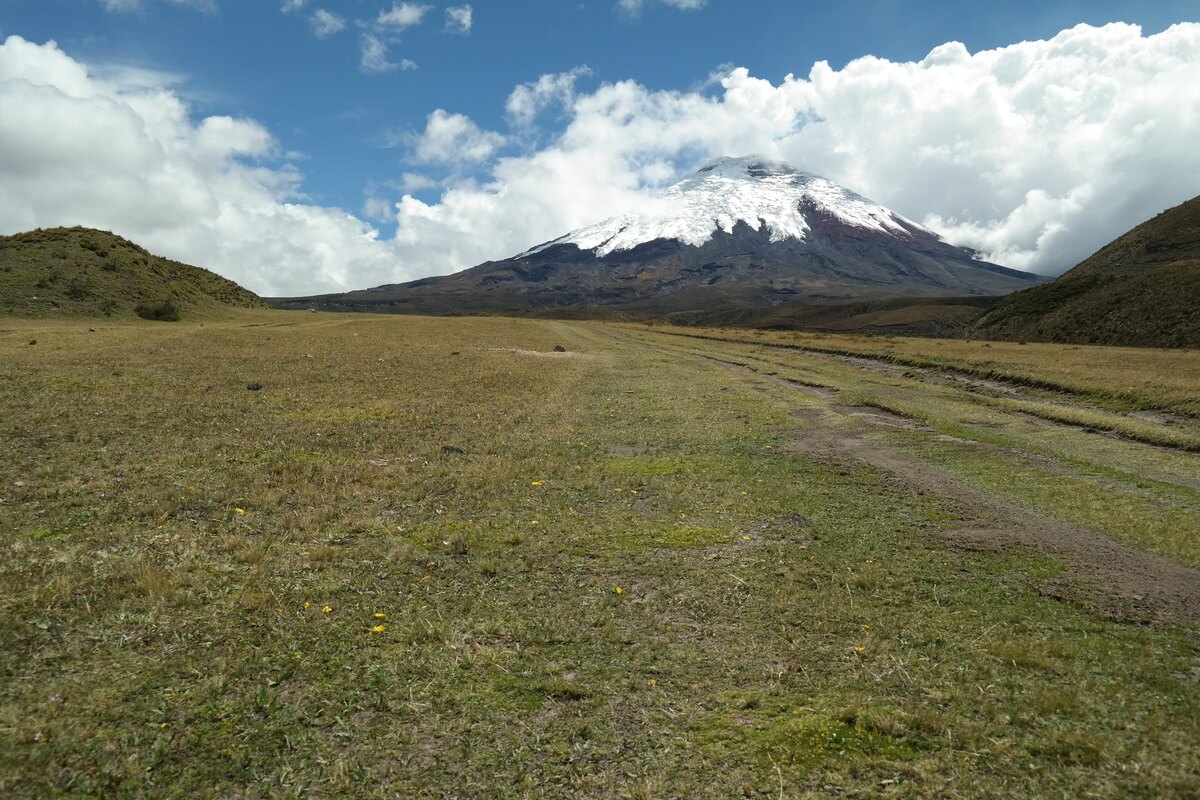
{"x": 740, "y": 233}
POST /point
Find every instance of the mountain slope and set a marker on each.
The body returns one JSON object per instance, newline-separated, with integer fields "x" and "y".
{"x": 1143, "y": 289}
{"x": 742, "y": 233}
{"x": 91, "y": 273}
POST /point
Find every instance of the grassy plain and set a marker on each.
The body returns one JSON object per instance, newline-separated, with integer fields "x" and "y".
{"x": 1123, "y": 379}
{"x": 432, "y": 558}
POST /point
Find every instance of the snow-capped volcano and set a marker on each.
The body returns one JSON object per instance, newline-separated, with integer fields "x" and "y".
{"x": 744, "y": 236}
{"x": 753, "y": 190}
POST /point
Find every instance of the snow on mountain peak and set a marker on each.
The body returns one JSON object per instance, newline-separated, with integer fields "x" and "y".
{"x": 726, "y": 191}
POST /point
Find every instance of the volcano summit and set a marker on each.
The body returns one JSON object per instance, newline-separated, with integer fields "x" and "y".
{"x": 741, "y": 233}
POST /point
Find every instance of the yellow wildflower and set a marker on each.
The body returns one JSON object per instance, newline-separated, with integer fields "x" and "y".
{"x": 379, "y": 629}
{"x": 652, "y": 682}
{"x": 620, "y": 590}
{"x": 534, "y": 522}
{"x": 378, "y": 615}
{"x": 307, "y": 604}
{"x": 745, "y": 538}
{"x": 860, "y": 651}
{"x": 537, "y": 483}
{"x": 327, "y": 609}
{"x": 241, "y": 512}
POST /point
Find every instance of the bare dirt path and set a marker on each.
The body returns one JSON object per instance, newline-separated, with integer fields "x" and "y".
{"x": 1107, "y": 576}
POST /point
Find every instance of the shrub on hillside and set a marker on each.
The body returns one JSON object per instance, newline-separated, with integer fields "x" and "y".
{"x": 79, "y": 288}
{"x": 162, "y": 310}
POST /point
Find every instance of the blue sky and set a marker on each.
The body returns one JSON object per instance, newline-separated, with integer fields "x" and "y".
{"x": 342, "y": 132}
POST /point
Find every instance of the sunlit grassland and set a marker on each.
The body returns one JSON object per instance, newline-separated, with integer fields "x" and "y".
{"x": 1145, "y": 495}
{"x": 1121, "y": 378}
{"x": 600, "y": 574}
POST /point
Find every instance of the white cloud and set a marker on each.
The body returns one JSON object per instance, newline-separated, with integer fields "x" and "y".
{"x": 78, "y": 150}
{"x": 402, "y": 15}
{"x": 291, "y": 6}
{"x": 137, "y": 5}
{"x": 1037, "y": 153}
{"x": 326, "y": 23}
{"x": 635, "y": 6}
{"x": 415, "y": 182}
{"x": 459, "y": 19}
{"x": 454, "y": 139}
{"x": 530, "y": 99}
{"x": 377, "y": 208}
{"x": 374, "y": 54}
{"x": 375, "y": 58}
{"x": 133, "y": 76}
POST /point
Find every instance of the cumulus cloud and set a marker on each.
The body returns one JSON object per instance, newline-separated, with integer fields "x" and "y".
{"x": 377, "y": 208}
{"x": 291, "y": 6}
{"x": 326, "y": 23}
{"x": 402, "y": 15}
{"x": 530, "y": 99}
{"x": 459, "y": 19}
{"x": 1036, "y": 154}
{"x": 454, "y": 139}
{"x": 79, "y": 150}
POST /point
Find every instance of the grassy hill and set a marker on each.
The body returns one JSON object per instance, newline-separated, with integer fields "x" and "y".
{"x": 90, "y": 273}
{"x": 1142, "y": 289}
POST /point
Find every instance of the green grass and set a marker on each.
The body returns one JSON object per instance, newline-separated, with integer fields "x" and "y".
{"x": 1114, "y": 378}
{"x": 785, "y": 623}
{"x": 1071, "y": 472}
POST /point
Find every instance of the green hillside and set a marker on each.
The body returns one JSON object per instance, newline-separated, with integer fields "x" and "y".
{"x": 1141, "y": 290}
{"x": 63, "y": 272}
